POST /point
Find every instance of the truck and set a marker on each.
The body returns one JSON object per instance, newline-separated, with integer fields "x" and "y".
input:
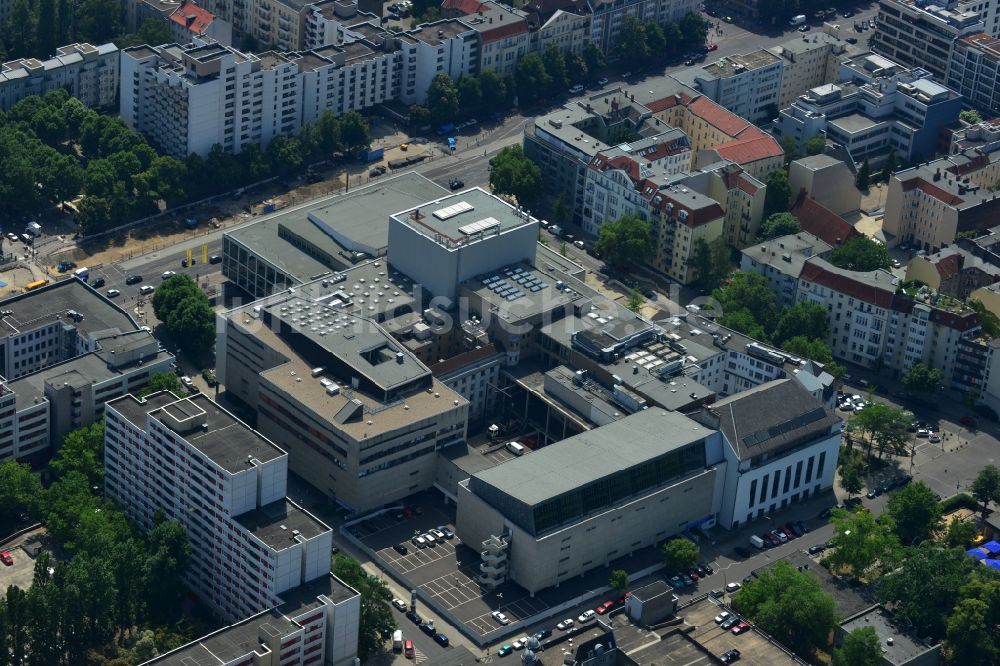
{"x": 757, "y": 542}
{"x": 797, "y": 20}
{"x": 33, "y": 228}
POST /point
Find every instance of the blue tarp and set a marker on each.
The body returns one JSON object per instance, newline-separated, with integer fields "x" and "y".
{"x": 992, "y": 563}
{"x": 976, "y": 553}
{"x": 991, "y": 546}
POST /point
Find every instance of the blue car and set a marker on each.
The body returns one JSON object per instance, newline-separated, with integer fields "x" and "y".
{"x": 505, "y": 650}
{"x": 442, "y": 640}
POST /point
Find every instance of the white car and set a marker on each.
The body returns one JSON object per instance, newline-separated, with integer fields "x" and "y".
{"x": 437, "y": 534}
{"x": 934, "y": 438}
{"x": 602, "y": 82}
{"x": 896, "y": 263}
{"x": 431, "y": 541}
{"x": 847, "y": 406}
{"x": 565, "y": 624}
{"x": 419, "y": 542}
{"x": 586, "y": 616}
{"x": 400, "y": 605}
{"x": 12, "y": 237}
{"x": 500, "y": 617}
{"x": 733, "y": 587}
{"x": 113, "y": 292}
{"x": 923, "y": 432}
{"x": 722, "y": 617}
{"x": 576, "y": 90}
{"x": 520, "y": 643}
{"x": 168, "y": 274}
{"x": 187, "y": 381}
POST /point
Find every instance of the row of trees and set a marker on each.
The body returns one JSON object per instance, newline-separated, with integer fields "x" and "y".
{"x": 116, "y": 582}
{"x": 34, "y": 28}
{"x": 183, "y": 307}
{"x": 377, "y": 620}
{"x": 53, "y": 148}
{"x": 750, "y": 307}
{"x": 649, "y": 43}
{"x": 514, "y": 174}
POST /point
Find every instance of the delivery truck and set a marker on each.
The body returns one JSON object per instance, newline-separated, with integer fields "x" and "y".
{"x": 797, "y": 20}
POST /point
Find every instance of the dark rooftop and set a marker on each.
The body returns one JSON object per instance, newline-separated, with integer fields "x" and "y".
{"x": 33, "y": 309}
{"x": 305, "y": 597}
{"x": 280, "y": 523}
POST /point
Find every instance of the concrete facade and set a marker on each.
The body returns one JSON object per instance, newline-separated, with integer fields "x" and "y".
{"x": 88, "y": 72}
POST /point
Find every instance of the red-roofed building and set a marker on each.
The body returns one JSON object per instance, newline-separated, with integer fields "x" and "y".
{"x": 189, "y": 21}
{"x": 822, "y": 222}
{"x": 953, "y": 271}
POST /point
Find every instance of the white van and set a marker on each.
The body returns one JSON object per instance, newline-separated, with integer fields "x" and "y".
{"x": 82, "y": 273}
{"x": 397, "y": 641}
{"x": 516, "y": 448}
{"x": 797, "y": 20}
{"x": 757, "y": 542}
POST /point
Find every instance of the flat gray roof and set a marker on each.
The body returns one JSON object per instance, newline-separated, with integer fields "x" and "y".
{"x": 279, "y": 523}
{"x": 49, "y": 304}
{"x": 592, "y": 455}
{"x": 304, "y": 598}
{"x": 903, "y": 649}
{"x": 456, "y": 219}
{"x": 229, "y": 643}
{"x": 776, "y": 416}
{"x": 854, "y": 123}
{"x": 224, "y": 439}
{"x": 520, "y": 292}
{"x": 787, "y": 254}
{"x": 360, "y": 217}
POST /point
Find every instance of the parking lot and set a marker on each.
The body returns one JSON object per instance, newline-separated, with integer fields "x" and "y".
{"x": 22, "y": 572}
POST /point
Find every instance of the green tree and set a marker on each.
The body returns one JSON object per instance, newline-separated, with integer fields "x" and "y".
{"x": 680, "y": 554}
{"x": 789, "y": 605}
{"x": 851, "y": 479}
{"x": 470, "y": 94}
{"x": 494, "y": 90}
{"x": 513, "y": 173}
{"x": 860, "y": 541}
{"x": 890, "y": 164}
{"x": 989, "y": 321}
{"x": 864, "y": 174}
{"x": 184, "y": 308}
{"x": 960, "y": 533}
{"x": 710, "y": 262}
{"x": 779, "y": 224}
{"x": 778, "y": 193}
{"x": 163, "y": 381}
{"x": 635, "y": 300}
{"x": 98, "y": 21}
{"x": 20, "y": 490}
{"x": 618, "y": 579}
{"x": 19, "y": 30}
{"x": 805, "y": 319}
{"x": 790, "y": 146}
{"x": 695, "y": 30}
{"x": 971, "y": 637}
{"x": 555, "y": 66}
{"x": 82, "y": 451}
{"x": 560, "y": 211}
{"x": 916, "y": 512}
{"x": 168, "y": 553}
{"x": 925, "y": 586}
{"x": 419, "y": 115}
{"x": 45, "y": 36}
{"x": 354, "y": 132}
{"x": 442, "y": 99}
{"x": 632, "y": 40}
{"x": 656, "y": 40}
{"x": 576, "y": 67}
{"x": 626, "y": 241}
{"x": 861, "y": 647}
{"x": 376, "y": 612}
{"x": 815, "y": 145}
{"x": 922, "y": 380}
{"x": 970, "y": 116}
{"x": 594, "y": 58}
{"x": 747, "y": 291}
{"x": 986, "y": 487}
{"x": 882, "y": 427}
{"x": 861, "y": 254}
{"x": 533, "y": 81}
{"x": 813, "y": 349}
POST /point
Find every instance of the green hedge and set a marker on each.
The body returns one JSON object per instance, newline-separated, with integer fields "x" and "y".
{"x": 959, "y": 501}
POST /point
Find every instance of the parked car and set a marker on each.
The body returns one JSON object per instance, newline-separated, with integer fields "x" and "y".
{"x": 741, "y": 628}
{"x": 934, "y": 438}
{"x": 586, "y": 616}
{"x": 441, "y": 640}
{"x": 923, "y": 432}
{"x": 408, "y": 649}
{"x": 133, "y": 279}
{"x": 456, "y": 183}
{"x": 713, "y": 47}
{"x": 729, "y": 623}
{"x": 437, "y": 534}
{"x": 605, "y": 607}
{"x": 602, "y": 81}
{"x": 401, "y": 549}
{"x": 97, "y": 283}
{"x": 377, "y": 171}
{"x": 565, "y": 624}
{"x": 448, "y": 534}
{"x": 733, "y": 588}
{"x": 414, "y": 618}
{"x": 400, "y": 605}
{"x": 112, "y": 293}
{"x": 419, "y": 542}
{"x": 428, "y": 628}
{"x": 429, "y": 538}
{"x": 802, "y": 526}
{"x": 722, "y": 617}
{"x": 872, "y": 493}
{"x": 505, "y": 650}
{"x": 520, "y": 643}
{"x": 6, "y": 558}
{"x": 730, "y": 656}
{"x": 576, "y": 90}
{"x": 500, "y": 617}
{"x": 818, "y": 548}
{"x": 542, "y": 634}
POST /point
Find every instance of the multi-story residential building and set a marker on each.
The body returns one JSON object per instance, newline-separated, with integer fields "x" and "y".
{"x": 361, "y": 417}
{"x": 807, "y": 62}
{"x": 740, "y": 195}
{"x": 876, "y": 107}
{"x": 563, "y": 23}
{"x": 972, "y": 71}
{"x": 828, "y": 181}
{"x": 608, "y": 15}
{"x": 952, "y": 271}
{"x": 447, "y": 47}
{"x": 333, "y": 22}
{"x": 189, "y": 21}
{"x": 748, "y": 85}
{"x": 87, "y": 72}
{"x": 358, "y": 74}
{"x": 279, "y": 24}
{"x": 818, "y": 220}
{"x": 503, "y": 36}
{"x": 253, "y": 550}
{"x": 917, "y": 34}
{"x": 928, "y": 205}
{"x": 780, "y": 261}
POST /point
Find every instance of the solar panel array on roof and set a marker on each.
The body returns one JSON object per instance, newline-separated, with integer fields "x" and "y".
{"x": 451, "y": 211}
{"x": 482, "y": 225}
{"x": 762, "y": 436}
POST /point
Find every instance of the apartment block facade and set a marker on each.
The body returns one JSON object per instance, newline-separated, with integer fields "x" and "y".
{"x": 973, "y": 71}
{"x": 807, "y": 61}
{"x": 916, "y": 34}
{"x": 748, "y": 85}
{"x": 88, "y": 72}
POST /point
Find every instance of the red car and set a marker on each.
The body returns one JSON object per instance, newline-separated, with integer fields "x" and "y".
{"x": 6, "y": 558}
{"x": 693, "y": 573}
{"x": 605, "y": 607}
{"x": 740, "y": 628}
{"x": 713, "y": 47}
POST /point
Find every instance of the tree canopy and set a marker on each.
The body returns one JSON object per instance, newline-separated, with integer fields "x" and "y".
{"x": 882, "y": 428}
{"x": 861, "y": 647}
{"x": 861, "y": 254}
{"x": 779, "y": 224}
{"x": 747, "y": 295}
{"x": 376, "y": 613}
{"x": 680, "y": 554}
{"x": 860, "y": 541}
{"x": 916, "y": 513}
{"x": 625, "y": 242}
{"x": 710, "y": 261}
{"x": 806, "y": 319}
{"x": 82, "y": 451}
{"x": 181, "y": 304}
{"x": 513, "y": 173}
{"x": 922, "y": 380}
{"x": 790, "y": 606}
{"x": 778, "y": 194}
{"x": 986, "y": 486}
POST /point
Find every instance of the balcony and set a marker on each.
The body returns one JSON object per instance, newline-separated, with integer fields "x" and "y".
{"x": 494, "y": 561}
